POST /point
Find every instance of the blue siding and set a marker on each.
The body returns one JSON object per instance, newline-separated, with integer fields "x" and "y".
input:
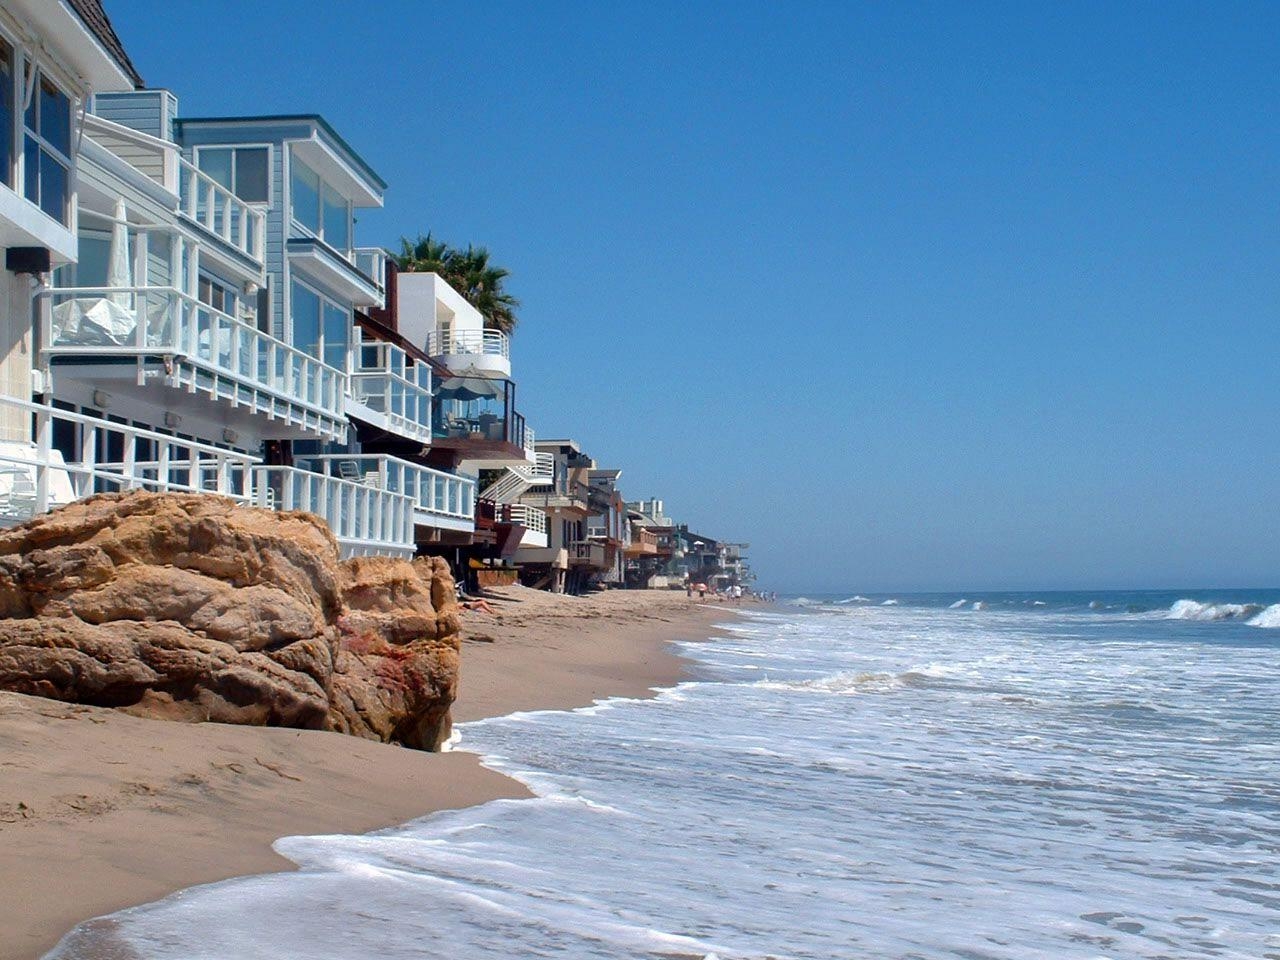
{"x": 147, "y": 111}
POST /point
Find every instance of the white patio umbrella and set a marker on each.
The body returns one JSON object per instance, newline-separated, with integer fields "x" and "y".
{"x": 119, "y": 270}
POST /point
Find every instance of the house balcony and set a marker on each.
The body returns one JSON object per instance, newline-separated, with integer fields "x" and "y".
{"x": 391, "y": 394}
{"x": 587, "y": 553}
{"x": 366, "y": 520}
{"x": 475, "y": 420}
{"x": 74, "y": 455}
{"x": 219, "y": 212}
{"x": 569, "y": 497}
{"x": 643, "y": 544}
{"x": 533, "y": 521}
{"x": 126, "y": 341}
{"x": 440, "y": 500}
{"x": 340, "y": 272}
{"x": 473, "y": 353}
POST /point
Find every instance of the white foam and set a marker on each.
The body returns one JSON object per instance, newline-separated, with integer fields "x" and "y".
{"x": 1195, "y": 610}
{"x": 889, "y": 603}
{"x": 958, "y": 604}
{"x": 1268, "y": 619}
{"x": 979, "y": 605}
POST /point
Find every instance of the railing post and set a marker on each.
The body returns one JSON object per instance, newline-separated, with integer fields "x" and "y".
{"x": 44, "y": 454}
{"x": 162, "y": 467}
{"x": 130, "y": 469}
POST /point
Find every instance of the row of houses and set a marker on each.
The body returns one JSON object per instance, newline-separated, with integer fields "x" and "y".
{"x": 186, "y": 307}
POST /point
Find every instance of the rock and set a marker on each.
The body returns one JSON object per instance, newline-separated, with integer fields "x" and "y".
{"x": 396, "y": 668}
{"x": 192, "y": 607}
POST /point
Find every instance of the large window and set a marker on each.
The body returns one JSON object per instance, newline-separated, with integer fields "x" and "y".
{"x": 47, "y": 150}
{"x": 245, "y": 171}
{"x": 320, "y": 209}
{"x": 6, "y": 112}
{"x": 321, "y": 327}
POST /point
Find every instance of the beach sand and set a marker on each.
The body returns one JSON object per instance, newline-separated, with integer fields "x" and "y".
{"x": 100, "y": 810}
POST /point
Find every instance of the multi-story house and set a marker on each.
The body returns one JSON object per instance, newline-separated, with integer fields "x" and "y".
{"x": 564, "y": 493}
{"x": 609, "y": 525}
{"x": 54, "y": 55}
{"x": 476, "y": 429}
{"x": 203, "y": 338}
{"x": 655, "y": 557}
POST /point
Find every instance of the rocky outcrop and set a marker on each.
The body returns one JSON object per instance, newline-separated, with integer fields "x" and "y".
{"x": 191, "y": 607}
{"x": 396, "y": 666}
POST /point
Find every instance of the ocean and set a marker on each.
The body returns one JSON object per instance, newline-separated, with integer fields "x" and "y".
{"x": 986, "y": 777}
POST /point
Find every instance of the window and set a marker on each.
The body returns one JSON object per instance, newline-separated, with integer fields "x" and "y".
{"x": 245, "y": 171}
{"x": 47, "y": 151}
{"x": 6, "y": 112}
{"x": 320, "y": 209}
{"x": 214, "y": 293}
{"x": 321, "y": 327}
{"x": 306, "y": 197}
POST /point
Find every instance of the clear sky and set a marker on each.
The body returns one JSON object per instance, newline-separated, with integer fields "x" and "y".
{"x": 910, "y": 296}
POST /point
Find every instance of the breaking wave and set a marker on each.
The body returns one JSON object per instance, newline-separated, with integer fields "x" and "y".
{"x": 1195, "y": 610}
{"x": 1268, "y": 618}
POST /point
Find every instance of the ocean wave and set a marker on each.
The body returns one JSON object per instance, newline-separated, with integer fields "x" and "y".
{"x": 1195, "y": 610}
{"x": 849, "y": 683}
{"x": 1268, "y": 619}
{"x": 889, "y": 603}
{"x": 856, "y": 598}
{"x": 979, "y": 605}
{"x": 958, "y": 604}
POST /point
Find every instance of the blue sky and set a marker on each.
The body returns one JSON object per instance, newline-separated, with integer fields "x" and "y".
{"x": 910, "y": 296}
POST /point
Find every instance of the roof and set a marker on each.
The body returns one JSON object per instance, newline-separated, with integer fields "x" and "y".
{"x": 311, "y": 118}
{"x": 99, "y": 24}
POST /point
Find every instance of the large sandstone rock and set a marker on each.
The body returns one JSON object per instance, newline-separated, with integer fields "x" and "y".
{"x": 396, "y": 667}
{"x": 192, "y": 607}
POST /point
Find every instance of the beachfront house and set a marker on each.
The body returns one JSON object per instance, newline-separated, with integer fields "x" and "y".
{"x": 476, "y": 430}
{"x": 54, "y": 55}
{"x": 196, "y": 332}
{"x": 563, "y": 493}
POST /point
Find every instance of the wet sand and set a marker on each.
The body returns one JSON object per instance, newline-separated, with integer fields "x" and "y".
{"x": 100, "y": 810}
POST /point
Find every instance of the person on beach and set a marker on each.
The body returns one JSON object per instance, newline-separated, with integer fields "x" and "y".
{"x": 702, "y": 592}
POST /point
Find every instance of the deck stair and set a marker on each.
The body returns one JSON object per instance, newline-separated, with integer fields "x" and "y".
{"x": 516, "y": 480}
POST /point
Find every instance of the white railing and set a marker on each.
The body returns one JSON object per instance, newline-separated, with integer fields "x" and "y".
{"x": 93, "y": 455}
{"x": 433, "y": 492}
{"x": 533, "y": 520}
{"x": 493, "y": 343}
{"x": 214, "y": 207}
{"x": 139, "y": 321}
{"x": 372, "y": 262}
{"x": 529, "y": 446}
{"x": 365, "y": 519}
{"x": 543, "y": 472}
{"x": 386, "y": 383}
{"x": 597, "y": 533}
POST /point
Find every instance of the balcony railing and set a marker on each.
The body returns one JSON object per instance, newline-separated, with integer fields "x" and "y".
{"x": 372, "y": 262}
{"x": 386, "y": 383}
{"x": 150, "y": 321}
{"x": 493, "y": 343}
{"x": 214, "y": 207}
{"x": 75, "y": 455}
{"x": 590, "y": 552}
{"x": 365, "y": 519}
{"x": 434, "y": 493}
{"x": 535, "y": 521}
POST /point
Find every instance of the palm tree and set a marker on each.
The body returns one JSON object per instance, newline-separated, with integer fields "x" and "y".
{"x": 467, "y": 271}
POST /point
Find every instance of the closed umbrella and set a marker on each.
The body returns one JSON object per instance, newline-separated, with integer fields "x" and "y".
{"x": 119, "y": 272}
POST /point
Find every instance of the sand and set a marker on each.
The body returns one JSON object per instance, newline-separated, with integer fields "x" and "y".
{"x": 100, "y": 810}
